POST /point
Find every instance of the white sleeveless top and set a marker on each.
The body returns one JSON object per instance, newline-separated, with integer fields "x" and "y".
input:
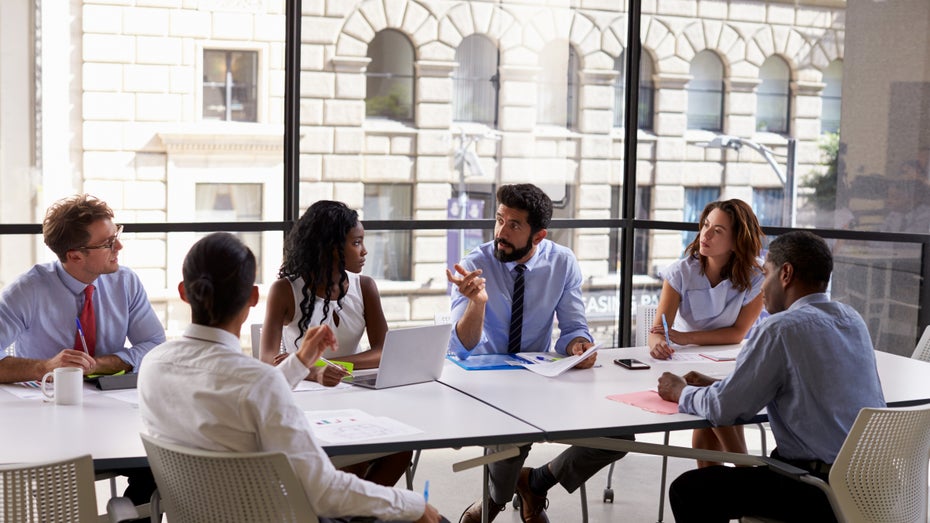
{"x": 351, "y": 318}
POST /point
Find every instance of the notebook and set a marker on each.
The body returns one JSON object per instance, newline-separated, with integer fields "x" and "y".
{"x": 409, "y": 356}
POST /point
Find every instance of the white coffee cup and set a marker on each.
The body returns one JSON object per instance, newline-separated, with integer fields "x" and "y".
{"x": 68, "y": 386}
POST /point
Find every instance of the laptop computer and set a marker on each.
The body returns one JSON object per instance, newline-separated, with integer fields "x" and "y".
{"x": 409, "y": 356}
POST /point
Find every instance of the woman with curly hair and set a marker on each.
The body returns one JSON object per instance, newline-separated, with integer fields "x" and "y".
{"x": 319, "y": 284}
{"x": 713, "y": 296}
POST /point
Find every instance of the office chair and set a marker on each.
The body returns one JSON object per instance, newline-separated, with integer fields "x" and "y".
{"x": 880, "y": 473}
{"x": 201, "y": 485}
{"x": 256, "y": 331}
{"x": 922, "y": 350}
{"x": 56, "y": 492}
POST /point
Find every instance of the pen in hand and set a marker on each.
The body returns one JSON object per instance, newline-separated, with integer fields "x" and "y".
{"x": 667, "y": 340}
{"x": 426, "y": 491}
{"x": 81, "y": 334}
{"x": 331, "y": 364}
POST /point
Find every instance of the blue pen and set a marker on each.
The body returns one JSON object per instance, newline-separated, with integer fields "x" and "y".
{"x": 426, "y": 491}
{"x": 541, "y": 358}
{"x": 665, "y": 328}
{"x": 81, "y": 333}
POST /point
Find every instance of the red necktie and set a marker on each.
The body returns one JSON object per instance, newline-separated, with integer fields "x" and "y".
{"x": 88, "y": 323}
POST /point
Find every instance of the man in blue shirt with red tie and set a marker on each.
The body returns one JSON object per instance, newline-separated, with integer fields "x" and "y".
{"x": 38, "y": 310}
{"x": 505, "y": 295}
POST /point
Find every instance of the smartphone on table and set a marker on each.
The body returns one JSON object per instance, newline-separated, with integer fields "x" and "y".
{"x": 631, "y": 363}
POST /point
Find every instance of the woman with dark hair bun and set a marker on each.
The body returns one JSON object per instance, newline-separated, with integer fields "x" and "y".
{"x": 202, "y": 391}
{"x": 320, "y": 284}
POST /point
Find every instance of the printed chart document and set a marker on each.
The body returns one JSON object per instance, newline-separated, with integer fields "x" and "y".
{"x": 553, "y": 364}
{"x": 351, "y": 425}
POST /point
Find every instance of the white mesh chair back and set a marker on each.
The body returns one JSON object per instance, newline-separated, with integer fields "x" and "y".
{"x": 53, "y": 492}
{"x": 206, "y": 486}
{"x": 922, "y": 350}
{"x": 645, "y": 317}
{"x": 256, "y": 334}
{"x": 880, "y": 474}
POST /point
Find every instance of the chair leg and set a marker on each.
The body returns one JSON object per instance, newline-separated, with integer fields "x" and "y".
{"x": 412, "y": 469}
{"x": 608, "y": 490}
{"x": 662, "y": 482}
{"x": 762, "y": 435}
{"x": 584, "y": 503}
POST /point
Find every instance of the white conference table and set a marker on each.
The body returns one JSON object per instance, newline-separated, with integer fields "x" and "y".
{"x": 108, "y": 428}
{"x": 466, "y": 408}
{"x": 575, "y": 405}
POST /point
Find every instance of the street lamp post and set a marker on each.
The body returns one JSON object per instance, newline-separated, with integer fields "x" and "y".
{"x": 787, "y": 178}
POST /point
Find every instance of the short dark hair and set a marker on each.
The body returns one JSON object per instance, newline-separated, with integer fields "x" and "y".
{"x": 67, "y": 220}
{"x": 808, "y": 253}
{"x": 219, "y": 272}
{"x": 527, "y": 197}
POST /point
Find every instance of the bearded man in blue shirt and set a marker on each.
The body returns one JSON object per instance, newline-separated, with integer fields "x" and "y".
{"x": 811, "y": 365}
{"x": 521, "y": 264}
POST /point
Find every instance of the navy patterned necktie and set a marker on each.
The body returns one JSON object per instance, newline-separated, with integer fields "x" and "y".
{"x": 516, "y": 312}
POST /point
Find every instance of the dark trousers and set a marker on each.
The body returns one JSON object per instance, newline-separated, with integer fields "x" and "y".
{"x": 364, "y": 520}
{"x": 141, "y": 484}
{"x": 571, "y": 468}
{"x": 719, "y": 494}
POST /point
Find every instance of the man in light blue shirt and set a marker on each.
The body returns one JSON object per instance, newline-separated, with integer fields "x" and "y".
{"x": 811, "y": 365}
{"x": 482, "y": 305}
{"x": 38, "y": 310}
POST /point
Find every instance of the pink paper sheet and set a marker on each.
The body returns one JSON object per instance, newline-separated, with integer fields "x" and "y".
{"x": 646, "y": 400}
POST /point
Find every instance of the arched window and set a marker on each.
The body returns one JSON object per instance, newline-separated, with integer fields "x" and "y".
{"x": 557, "y": 93}
{"x": 646, "y": 91}
{"x": 773, "y": 97}
{"x": 476, "y": 81}
{"x": 831, "y": 96}
{"x": 390, "y": 79}
{"x": 705, "y": 92}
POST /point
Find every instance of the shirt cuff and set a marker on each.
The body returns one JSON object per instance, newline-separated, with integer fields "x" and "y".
{"x": 457, "y": 348}
{"x": 294, "y": 370}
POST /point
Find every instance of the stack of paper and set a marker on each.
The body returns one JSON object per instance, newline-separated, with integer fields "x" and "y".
{"x": 551, "y": 364}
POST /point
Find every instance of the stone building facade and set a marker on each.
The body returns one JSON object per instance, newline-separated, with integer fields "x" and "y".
{"x": 124, "y": 109}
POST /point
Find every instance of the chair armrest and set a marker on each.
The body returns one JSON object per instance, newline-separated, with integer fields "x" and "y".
{"x": 121, "y": 509}
{"x": 785, "y": 469}
{"x": 799, "y": 474}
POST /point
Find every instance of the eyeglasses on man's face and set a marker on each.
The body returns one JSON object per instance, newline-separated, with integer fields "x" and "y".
{"x": 109, "y": 244}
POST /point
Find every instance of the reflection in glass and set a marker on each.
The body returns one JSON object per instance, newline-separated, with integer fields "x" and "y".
{"x": 705, "y": 92}
{"x": 389, "y": 252}
{"x": 831, "y": 97}
{"x": 476, "y": 81}
{"x": 230, "y": 91}
{"x": 881, "y": 280}
{"x": 390, "y": 79}
{"x": 233, "y": 202}
{"x": 773, "y": 97}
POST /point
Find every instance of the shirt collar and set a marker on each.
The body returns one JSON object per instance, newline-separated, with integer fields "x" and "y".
{"x": 537, "y": 254}
{"x": 70, "y": 282}
{"x": 817, "y": 297}
{"x": 202, "y": 332}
